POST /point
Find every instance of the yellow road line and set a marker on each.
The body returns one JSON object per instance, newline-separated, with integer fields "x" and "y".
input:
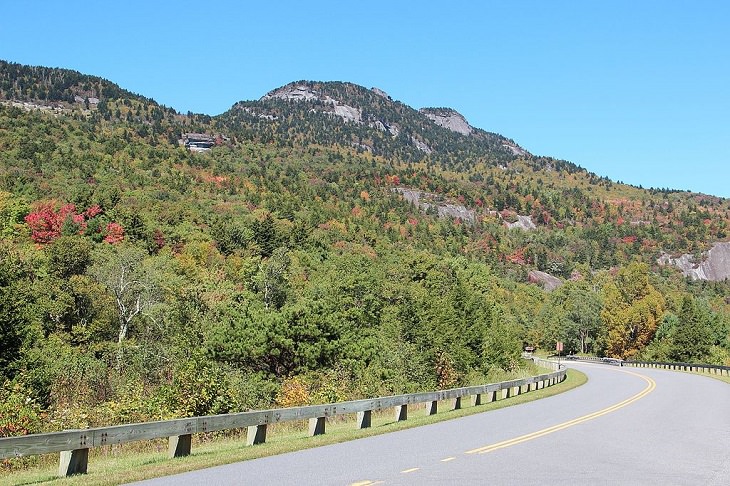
{"x": 540, "y": 433}
{"x": 410, "y": 470}
{"x": 448, "y": 459}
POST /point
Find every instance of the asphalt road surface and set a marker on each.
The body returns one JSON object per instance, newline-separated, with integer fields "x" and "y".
{"x": 626, "y": 426}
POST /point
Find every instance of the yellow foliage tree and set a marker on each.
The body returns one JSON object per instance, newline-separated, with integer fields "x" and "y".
{"x": 632, "y": 311}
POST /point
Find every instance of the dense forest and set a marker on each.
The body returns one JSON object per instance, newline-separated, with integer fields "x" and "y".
{"x": 140, "y": 280}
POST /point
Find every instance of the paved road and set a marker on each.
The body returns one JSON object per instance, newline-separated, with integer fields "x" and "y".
{"x": 626, "y": 426}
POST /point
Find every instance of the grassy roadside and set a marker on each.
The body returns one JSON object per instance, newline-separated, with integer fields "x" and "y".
{"x": 123, "y": 465}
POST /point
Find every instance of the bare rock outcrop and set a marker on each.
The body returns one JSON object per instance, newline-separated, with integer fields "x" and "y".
{"x": 298, "y": 92}
{"x": 427, "y": 201}
{"x": 715, "y": 264}
{"x": 383, "y": 127}
{"x": 448, "y": 118}
{"x": 348, "y": 113}
{"x": 523, "y": 223}
{"x": 421, "y": 145}
{"x": 302, "y": 92}
{"x": 515, "y": 149}
{"x": 547, "y": 281}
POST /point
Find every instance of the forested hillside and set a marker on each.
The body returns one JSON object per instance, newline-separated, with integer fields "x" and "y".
{"x": 140, "y": 280}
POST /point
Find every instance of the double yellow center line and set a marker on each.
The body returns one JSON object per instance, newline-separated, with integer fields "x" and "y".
{"x": 651, "y": 384}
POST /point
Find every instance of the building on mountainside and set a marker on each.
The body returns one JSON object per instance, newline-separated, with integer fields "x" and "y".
{"x": 199, "y": 142}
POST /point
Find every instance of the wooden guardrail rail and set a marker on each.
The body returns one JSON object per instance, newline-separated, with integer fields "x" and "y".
{"x": 700, "y": 368}
{"x": 74, "y": 445}
{"x": 695, "y": 367}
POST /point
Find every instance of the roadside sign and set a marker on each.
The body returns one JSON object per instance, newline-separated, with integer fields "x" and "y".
{"x": 559, "y": 346}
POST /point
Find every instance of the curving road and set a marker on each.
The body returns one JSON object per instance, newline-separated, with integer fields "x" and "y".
{"x": 626, "y": 426}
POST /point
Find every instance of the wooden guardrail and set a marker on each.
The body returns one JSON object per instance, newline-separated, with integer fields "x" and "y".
{"x": 611, "y": 361}
{"x": 699, "y": 368}
{"x": 74, "y": 445}
{"x": 695, "y": 367}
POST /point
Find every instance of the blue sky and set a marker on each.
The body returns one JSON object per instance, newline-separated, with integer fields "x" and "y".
{"x": 638, "y": 91}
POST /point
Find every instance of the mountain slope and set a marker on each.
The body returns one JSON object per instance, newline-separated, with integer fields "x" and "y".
{"x": 348, "y": 115}
{"x": 433, "y": 151}
{"x": 37, "y": 83}
{"x": 318, "y": 251}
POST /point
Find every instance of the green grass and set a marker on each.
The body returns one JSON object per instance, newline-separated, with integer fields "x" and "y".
{"x": 138, "y": 461}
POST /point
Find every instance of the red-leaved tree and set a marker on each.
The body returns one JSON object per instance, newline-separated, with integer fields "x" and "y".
{"x": 46, "y": 222}
{"x": 114, "y": 233}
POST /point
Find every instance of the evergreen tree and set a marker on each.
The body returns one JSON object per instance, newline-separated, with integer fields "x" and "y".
{"x": 692, "y": 337}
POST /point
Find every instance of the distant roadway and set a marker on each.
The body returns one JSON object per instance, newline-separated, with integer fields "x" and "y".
{"x": 626, "y": 426}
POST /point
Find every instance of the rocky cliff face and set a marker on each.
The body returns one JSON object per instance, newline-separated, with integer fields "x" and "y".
{"x": 433, "y": 202}
{"x": 448, "y": 118}
{"x": 303, "y": 92}
{"x": 715, "y": 264}
{"x": 523, "y": 223}
{"x": 545, "y": 280}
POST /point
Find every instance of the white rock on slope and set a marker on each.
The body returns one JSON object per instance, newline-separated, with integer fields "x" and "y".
{"x": 450, "y": 119}
{"x": 715, "y": 265}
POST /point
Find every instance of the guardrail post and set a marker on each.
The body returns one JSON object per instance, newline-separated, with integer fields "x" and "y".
{"x": 476, "y": 400}
{"x": 256, "y": 434}
{"x": 457, "y": 404}
{"x": 364, "y": 419}
{"x": 179, "y": 445}
{"x": 401, "y": 412}
{"x": 316, "y": 426}
{"x": 73, "y": 462}
{"x": 506, "y": 393}
{"x": 432, "y": 408}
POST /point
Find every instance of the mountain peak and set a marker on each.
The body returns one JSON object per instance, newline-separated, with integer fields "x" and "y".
{"x": 347, "y": 114}
{"x": 298, "y": 91}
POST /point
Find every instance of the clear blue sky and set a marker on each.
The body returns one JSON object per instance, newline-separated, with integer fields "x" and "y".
{"x": 636, "y": 90}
